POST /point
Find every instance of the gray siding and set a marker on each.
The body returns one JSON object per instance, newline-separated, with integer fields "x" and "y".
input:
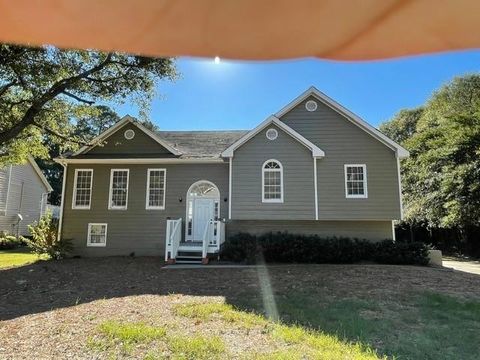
{"x": 136, "y": 229}
{"x": 298, "y": 180}
{"x": 116, "y": 144}
{"x": 24, "y": 197}
{"x": 345, "y": 143}
{"x": 370, "y": 230}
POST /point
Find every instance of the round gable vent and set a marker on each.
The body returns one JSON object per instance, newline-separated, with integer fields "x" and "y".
{"x": 129, "y": 134}
{"x": 311, "y": 105}
{"x": 271, "y": 134}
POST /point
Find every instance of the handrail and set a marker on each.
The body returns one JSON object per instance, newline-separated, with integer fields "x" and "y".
{"x": 206, "y": 239}
{"x": 173, "y": 238}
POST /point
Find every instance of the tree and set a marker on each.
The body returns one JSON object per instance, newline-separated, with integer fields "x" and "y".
{"x": 403, "y": 125}
{"x": 441, "y": 179}
{"x": 86, "y": 127}
{"x": 45, "y": 92}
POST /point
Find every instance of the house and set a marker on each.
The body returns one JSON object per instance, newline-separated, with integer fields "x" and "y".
{"x": 314, "y": 167}
{"x": 23, "y": 197}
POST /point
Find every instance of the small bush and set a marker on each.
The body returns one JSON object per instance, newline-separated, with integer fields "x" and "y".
{"x": 291, "y": 248}
{"x": 8, "y": 242}
{"x": 44, "y": 239}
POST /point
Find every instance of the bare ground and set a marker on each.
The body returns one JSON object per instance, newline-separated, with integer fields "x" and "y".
{"x": 51, "y": 309}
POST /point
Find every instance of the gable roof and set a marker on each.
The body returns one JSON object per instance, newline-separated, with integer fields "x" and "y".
{"x": 40, "y": 174}
{"x": 126, "y": 119}
{"x": 201, "y": 144}
{"x": 316, "y": 151}
{"x": 353, "y": 118}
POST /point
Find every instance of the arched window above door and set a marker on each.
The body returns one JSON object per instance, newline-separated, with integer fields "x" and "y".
{"x": 204, "y": 189}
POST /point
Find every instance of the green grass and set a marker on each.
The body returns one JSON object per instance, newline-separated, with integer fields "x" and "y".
{"x": 18, "y": 257}
{"x": 410, "y": 326}
{"x": 132, "y": 332}
{"x": 290, "y": 341}
{"x": 196, "y": 347}
{"x": 414, "y": 326}
{"x": 125, "y": 336}
{"x": 225, "y": 312}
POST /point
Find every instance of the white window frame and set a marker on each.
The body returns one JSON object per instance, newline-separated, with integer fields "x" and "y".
{"x": 89, "y": 243}
{"x": 110, "y": 194}
{"x": 263, "y": 182}
{"x": 365, "y": 187}
{"x": 147, "y": 197}
{"x": 74, "y": 195}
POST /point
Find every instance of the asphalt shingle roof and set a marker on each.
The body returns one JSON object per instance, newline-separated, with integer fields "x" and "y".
{"x": 201, "y": 144}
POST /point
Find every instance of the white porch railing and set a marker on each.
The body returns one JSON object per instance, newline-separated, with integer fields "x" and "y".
{"x": 174, "y": 236}
{"x": 213, "y": 237}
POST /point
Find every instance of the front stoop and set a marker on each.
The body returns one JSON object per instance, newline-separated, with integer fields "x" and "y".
{"x": 205, "y": 261}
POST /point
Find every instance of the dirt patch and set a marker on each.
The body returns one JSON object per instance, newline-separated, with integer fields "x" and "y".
{"x": 51, "y": 309}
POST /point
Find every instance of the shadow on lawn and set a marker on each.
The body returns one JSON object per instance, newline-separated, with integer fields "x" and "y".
{"x": 385, "y": 307}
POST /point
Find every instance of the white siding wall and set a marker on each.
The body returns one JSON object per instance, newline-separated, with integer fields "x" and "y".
{"x": 25, "y": 197}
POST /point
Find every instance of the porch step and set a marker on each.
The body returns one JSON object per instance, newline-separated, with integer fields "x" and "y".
{"x": 188, "y": 260}
{"x": 189, "y": 253}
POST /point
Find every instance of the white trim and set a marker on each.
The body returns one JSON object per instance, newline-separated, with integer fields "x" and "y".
{"x": 139, "y": 161}
{"x": 126, "y": 119}
{"x": 277, "y": 201}
{"x": 129, "y": 131}
{"x": 89, "y": 244}
{"x": 147, "y": 197}
{"x": 315, "y": 184}
{"x": 316, "y": 151}
{"x": 400, "y": 151}
{"x": 110, "y": 192}
{"x": 74, "y": 195}
{"x": 393, "y": 231}
{"x": 4, "y": 211}
{"x": 187, "y": 201}
{"x": 62, "y": 202}
{"x": 230, "y": 168}
{"x": 274, "y": 132}
{"x": 40, "y": 174}
{"x": 365, "y": 186}
{"x": 400, "y": 188}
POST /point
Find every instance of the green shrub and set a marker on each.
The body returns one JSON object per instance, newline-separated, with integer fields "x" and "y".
{"x": 8, "y": 242}
{"x": 389, "y": 252}
{"x": 291, "y": 248}
{"x": 44, "y": 239}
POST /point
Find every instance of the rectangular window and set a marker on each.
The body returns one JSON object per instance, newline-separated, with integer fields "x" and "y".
{"x": 118, "y": 198}
{"x": 356, "y": 181}
{"x": 82, "y": 189}
{"x": 97, "y": 235}
{"x": 156, "y": 182}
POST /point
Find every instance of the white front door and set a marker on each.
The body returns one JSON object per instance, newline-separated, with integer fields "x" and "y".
{"x": 202, "y": 214}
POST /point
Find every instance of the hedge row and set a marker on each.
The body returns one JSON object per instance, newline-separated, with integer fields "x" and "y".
{"x": 291, "y": 248}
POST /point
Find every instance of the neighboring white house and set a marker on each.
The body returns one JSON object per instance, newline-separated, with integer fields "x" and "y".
{"x": 23, "y": 197}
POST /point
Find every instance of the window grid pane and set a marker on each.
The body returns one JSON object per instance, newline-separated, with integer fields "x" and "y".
{"x": 83, "y": 189}
{"x": 98, "y": 234}
{"x": 272, "y": 181}
{"x": 119, "y": 188}
{"x": 156, "y": 191}
{"x": 355, "y": 180}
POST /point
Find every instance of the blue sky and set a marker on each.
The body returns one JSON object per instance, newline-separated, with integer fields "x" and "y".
{"x": 239, "y": 95}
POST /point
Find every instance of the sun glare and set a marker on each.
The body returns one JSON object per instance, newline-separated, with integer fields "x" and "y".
{"x": 217, "y": 60}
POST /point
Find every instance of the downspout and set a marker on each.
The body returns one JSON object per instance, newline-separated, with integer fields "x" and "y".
{"x": 315, "y": 186}
{"x": 62, "y": 201}
{"x": 230, "y": 188}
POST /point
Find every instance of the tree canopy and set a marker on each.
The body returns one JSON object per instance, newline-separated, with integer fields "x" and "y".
{"x": 57, "y": 98}
{"x": 441, "y": 179}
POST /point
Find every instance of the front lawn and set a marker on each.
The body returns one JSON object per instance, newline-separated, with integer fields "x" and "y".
{"x": 17, "y": 257}
{"x": 132, "y": 308}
